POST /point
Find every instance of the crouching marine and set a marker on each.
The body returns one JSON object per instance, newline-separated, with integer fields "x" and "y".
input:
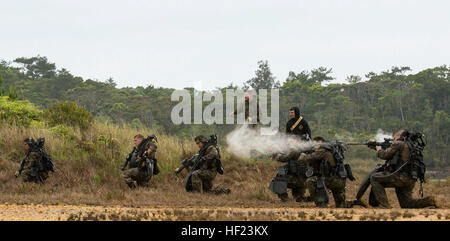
{"x": 203, "y": 167}
{"x": 37, "y": 162}
{"x": 141, "y": 161}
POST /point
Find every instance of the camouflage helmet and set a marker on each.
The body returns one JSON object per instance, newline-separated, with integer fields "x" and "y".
{"x": 30, "y": 141}
{"x": 201, "y": 139}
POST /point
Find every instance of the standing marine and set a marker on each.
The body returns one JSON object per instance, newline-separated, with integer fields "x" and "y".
{"x": 297, "y": 125}
{"x": 141, "y": 161}
{"x": 37, "y": 162}
{"x": 248, "y": 101}
{"x": 403, "y": 168}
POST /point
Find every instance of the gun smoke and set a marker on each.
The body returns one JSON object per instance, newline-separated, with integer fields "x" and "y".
{"x": 381, "y": 135}
{"x": 247, "y": 142}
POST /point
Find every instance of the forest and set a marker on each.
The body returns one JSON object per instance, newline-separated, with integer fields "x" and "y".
{"x": 355, "y": 110}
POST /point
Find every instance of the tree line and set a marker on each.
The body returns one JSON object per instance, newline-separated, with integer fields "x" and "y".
{"x": 390, "y": 100}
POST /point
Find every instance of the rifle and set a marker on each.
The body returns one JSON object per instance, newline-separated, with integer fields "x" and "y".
{"x": 24, "y": 161}
{"x": 185, "y": 163}
{"x": 384, "y": 145}
{"x": 379, "y": 168}
{"x": 128, "y": 158}
{"x": 34, "y": 169}
{"x": 197, "y": 163}
{"x": 140, "y": 150}
{"x": 321, "y": 198}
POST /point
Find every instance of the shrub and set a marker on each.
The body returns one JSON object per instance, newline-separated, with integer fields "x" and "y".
{"x": 136, "y": 124}
{"x": 63, "y": 131}
{"x": 70, "y": 114}
{"x": 19, "y": 112}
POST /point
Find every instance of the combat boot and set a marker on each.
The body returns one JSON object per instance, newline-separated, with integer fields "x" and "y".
{"x": 284, "y": 197}
{"x": 132, "y": 184}
{"x": 359, "y": 203}
{"x": 304, "y": 199}
{"x": 431, "y": 201}
{"x": 220, "y": 191}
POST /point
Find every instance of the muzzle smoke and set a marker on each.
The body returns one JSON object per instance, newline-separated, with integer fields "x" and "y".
{"x": 246, "y": 142}
{"x": 381, "y": 135}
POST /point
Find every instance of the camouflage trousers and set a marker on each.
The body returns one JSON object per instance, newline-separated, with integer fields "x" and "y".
{"x": 202, "y": 180}
{"x": 298, "y": 186}
{"x": 337, "y": 187}
{"x": 133, "y": 175}
{"x": 28, "y": 175}
{"x": 403, "y": 184}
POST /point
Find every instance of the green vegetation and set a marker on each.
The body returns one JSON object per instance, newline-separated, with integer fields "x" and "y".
{"x": 389, "y": 100}
{"x": 69, "y": 114}
{"x": 18, "y": 112}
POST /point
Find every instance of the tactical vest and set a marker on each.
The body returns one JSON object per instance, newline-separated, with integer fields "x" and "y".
{"x": 133, "y": 160}
{"x": 340, "y": 169}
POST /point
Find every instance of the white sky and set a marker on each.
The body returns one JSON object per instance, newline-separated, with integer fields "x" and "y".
{"x": 208, "y": 43}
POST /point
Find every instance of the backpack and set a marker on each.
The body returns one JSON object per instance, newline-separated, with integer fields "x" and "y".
{"x": 341, "y": 170}
{"x": 46, "y": 161}
{"x": 144, "y": 144}
{"x": 213, "y": 141}
{"x": 416, "y": 144}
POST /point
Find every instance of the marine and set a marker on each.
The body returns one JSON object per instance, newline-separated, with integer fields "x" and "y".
{"x": 141, "y": 161}
{"x": 401, "y": 171}
{"x": 203, "y": 167}
{"x": 37, "y": 163}
{"x": 329, "y": 172}
{"x": 290, "y": 176}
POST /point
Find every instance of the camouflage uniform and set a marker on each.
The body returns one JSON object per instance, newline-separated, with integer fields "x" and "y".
{"x": 334, "y": 183}
{"x": 337, "y": 187}
{"x": 295, "y": 181}
{"x": 400, "y": 180}
{"x": 202, "y": 179}
{"x": 137, "y": 173}
{"x": 31, "y": 170}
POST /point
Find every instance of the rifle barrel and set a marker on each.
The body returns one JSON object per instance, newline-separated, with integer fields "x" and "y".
{"x": 356, "y": 143}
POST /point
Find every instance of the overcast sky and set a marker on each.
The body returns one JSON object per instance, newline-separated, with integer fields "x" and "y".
{"x": 207, "y": 43}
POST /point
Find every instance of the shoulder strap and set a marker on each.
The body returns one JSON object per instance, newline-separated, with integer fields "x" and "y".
{"x": 296, "y": 123}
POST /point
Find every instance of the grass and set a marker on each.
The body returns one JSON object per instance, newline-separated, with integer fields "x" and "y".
{"x": 88, "y": 172}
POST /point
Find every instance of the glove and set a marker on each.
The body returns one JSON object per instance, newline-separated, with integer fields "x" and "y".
{"x": 302, "y": 157}
{"x": 372, "y": 144}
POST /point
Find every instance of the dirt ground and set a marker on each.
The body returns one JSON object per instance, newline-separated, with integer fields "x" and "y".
{"x": 64, "y": 198}
{"x": 116, "y": 213}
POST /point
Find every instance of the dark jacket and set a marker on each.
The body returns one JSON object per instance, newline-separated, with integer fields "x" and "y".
{"x": 302, "y": 129}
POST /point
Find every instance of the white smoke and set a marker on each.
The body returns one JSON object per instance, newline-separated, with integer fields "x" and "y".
{"x": 381, "y": 135}
{"x": 246, "y": 142}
